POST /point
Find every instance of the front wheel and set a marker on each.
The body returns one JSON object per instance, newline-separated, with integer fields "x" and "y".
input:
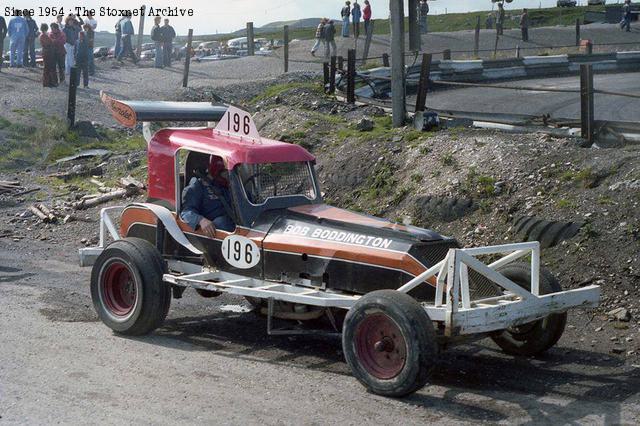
{"x": 389, "y": 343}
{"x": 127, "y": 289}
{"x": 536, "y": 337}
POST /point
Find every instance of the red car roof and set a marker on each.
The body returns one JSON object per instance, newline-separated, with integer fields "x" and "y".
{"x": 233, "y": 149}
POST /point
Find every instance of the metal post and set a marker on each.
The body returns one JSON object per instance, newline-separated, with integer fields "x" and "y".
{"x": 332, "y": 76}
{"x": 586, "y": 103}
{"x": 577, "y": 32}
{"x": 351, "y": 76}
{"x": 187, "y": 60}
{"x": 397, "y": 62}
{"x": 143, "y": 10}
{"x": 367, "y": 42}
{"x": 446, "y": 54}
{"x": 385, "y": 60}
{"x": 476, "y": 40}
{"x": 414, "y": 27}
{"x": 250, "y": 44}
{"x": 423, "y": 85}
{"x": 341, "y": 63}
{"x": 518, "y": 51}
{"x": 286, "y": 48}
{"x": 325, "y": 76}
{"x": 71, "y": 100}
{"x": 589, "y": 47}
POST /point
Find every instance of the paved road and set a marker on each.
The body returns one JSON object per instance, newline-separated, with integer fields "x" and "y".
{"x": 562, "y": 105}
{"x": 209, "y": 365}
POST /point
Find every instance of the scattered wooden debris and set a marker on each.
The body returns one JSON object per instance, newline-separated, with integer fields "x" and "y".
{"x": 131, "y": 182}
{"x": 97, "y": 199}
{"x": 43, "y": 213}
{"x": 78, "y": 172}
{"x": 9, "y": 186}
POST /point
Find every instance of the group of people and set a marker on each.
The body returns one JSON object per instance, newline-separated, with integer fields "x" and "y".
{"x": 65, "y": 43}
{"x": 500, "y": 20}
{"x": 354, "y": 13}
{"x": 162, "y": 37}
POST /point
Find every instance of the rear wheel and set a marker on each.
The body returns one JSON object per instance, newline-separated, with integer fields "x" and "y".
{"x": 127, "y": 288}
{"x": 538, "y": 336}
{"x": 389, "y": 343}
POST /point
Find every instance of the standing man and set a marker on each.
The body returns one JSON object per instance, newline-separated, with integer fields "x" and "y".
{"x": 59, "y": 40}
{"x": 319, "y": 36}
{"x": 500, "y": 19}
{"x": 118, "y": 46}
{"x": 18, "y": 30}
{"x": 626, "y": 16}
{"x": 329, "y": 37}
{"x": 60, "y": 22}
{"x": 127, "y": 34}
{"x": 356, "y": 14}
{"x": 157, "y": 35}
{"x": 91, "y": 21}
{"x": 345, "y": 13}
{"x": 29, "y": 58}
{"x": 3, "y": 34}
{"x": 82, "y": 53}
{"x": 169, "y": 34}
{"x": 524, "y": 24}
{"x": 71, "y": 30}
{"x": 366, "y": 15}
{"x": 423, "y": 12}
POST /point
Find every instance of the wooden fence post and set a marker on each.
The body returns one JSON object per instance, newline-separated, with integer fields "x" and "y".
{"x": 332, "y": 76}
{"x": 71, "y": 100}
{"x": 476, "y": 40}
{"x": 423, "y": 85}
{"x": 250, "y": 43}
{"x": 286, "y": 48}
{"x": 398, "y": 77}
{"x": 351, "y": 76}
{"x": 187, "y": 59}
{"x": 367, "y": 42}
{"x": 325, "y": 76}
{"x": 385, "y": 60}
{"x": 586, "y": 103}
{"x": 446, "y": 55}
{"x": 143, "y": 10}
{"x": 578, "y": 32}
{"x": 341, "y": 63}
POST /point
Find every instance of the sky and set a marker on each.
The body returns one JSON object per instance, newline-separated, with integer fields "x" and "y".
{"x": 229, "y": 15}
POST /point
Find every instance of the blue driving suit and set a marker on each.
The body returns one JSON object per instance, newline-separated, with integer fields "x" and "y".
{"x": 201, "y": 198}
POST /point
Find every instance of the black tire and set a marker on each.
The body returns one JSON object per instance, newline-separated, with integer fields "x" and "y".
{"x": 538, "y": 336}
{"x": 127, "y": 288}
{"x": 396, "y": 364}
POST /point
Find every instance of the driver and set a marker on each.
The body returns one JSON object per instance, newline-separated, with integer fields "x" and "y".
{"x": 206, "y": 201}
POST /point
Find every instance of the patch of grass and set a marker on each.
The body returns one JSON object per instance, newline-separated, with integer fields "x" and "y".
{"x": 381, "y": 182}
{"x": 563, "y": 203}
{"x": 589, "y": 231}
{"x": 448, "y": 159}
{"x": 279, "y": 89}
{"x": 424, "y": 150}
{"x": 417, "y": 177}
{"x": 605, "y": 200}
{"x": 476, "y": 184}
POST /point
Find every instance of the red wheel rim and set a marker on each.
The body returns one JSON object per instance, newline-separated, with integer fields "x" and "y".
{"x": 119, "y": 289}
{"x": 380, "y": 346}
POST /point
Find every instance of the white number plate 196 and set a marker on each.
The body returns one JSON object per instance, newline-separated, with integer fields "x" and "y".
{"x": 240, "y": 252}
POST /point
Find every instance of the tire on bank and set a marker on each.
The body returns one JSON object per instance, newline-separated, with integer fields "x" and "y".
{"x": 127, "y": 289}
{"x": 390, "y": 343}
{"x": 538, "y": 336}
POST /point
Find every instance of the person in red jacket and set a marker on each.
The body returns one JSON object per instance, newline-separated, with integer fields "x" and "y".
{"x": 58, "y": 38}
{"x": 366, "y": 16}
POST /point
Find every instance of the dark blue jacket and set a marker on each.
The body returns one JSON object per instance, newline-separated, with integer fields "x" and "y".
{"x": 199, "y": 200}
{"x": 82, "y": 52}
{"x": 71, "y": 34}
{"x": 33, "y": 31}
{"x": 3, "y": 28}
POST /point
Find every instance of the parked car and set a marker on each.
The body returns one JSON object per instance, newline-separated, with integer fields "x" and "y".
{"x": 597, "y": 2}
{"x": 567, "y": 3}
{"x": 101, "y": 52}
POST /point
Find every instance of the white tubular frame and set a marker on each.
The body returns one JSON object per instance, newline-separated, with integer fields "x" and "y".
{"x": 451, "y": 307}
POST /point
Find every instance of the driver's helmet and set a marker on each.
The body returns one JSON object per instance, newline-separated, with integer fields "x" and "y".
{"x": 217, "y": 169}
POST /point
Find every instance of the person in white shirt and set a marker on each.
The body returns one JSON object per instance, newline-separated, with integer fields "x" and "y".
{"x": 94, "y": 24}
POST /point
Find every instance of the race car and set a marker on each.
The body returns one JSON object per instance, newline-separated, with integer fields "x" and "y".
{"x": 397, "y": 294}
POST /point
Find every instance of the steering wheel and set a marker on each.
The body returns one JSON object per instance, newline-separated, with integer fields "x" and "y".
{"x": 252, "y": 180}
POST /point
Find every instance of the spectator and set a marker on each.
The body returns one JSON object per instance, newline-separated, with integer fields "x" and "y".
{"x": 127, "y": 34}
{"x": 71, "y": 30}
{"x": 29, "y": 58}
{"x": 60, "y": 22}
{"x": 423, "y": 12}
{"x": 626, "y": 16}
{"x": 366, "y": 15}
{"x": 118, "y": 46}
{"x": 157, "y": 37}
{"x": 500, "y": 19}
{"x": 319, "y": 36}
{"x": 169, "y": 34}
{"x": 17, "y": 35}
{"x": 91, "y": 34}
{"x": 329, "y": 37}
{"x": 3, "y": 34}
{"x": 524, "y": 24}
{"x": 49, "y": 76}
{"x": 345, "y": 13}
{"x": 356, "y": 15}
{"x": 59, "y": 40}
{"x": 489, "y": 21}
{"x": 83, "y": 51}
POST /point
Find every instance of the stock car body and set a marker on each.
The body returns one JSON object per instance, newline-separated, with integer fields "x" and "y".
{"x": 398, "y": 294}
